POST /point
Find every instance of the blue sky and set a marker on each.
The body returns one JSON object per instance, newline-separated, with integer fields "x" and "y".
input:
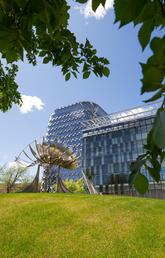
{"x": 118, "y": 92}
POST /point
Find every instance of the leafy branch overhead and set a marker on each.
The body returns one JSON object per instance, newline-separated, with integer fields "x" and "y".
{"x": 40, "y": 28}
{"x": 151, "y": 160}
{"x": 150, "y": 14}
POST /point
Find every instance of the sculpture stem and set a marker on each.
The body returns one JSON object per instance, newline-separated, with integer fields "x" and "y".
{"x": 58, "y": 182}
{"x": 46, "y": 180}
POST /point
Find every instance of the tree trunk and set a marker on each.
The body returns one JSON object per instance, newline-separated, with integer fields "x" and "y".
{"x": 8, "y": 189}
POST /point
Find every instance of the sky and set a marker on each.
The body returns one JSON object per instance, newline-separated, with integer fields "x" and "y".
{"x": 44, "y": 89}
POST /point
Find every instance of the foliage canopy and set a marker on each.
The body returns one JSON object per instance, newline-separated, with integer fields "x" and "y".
{"x": 12, "y": 175}
{"x": 39, "y": 28}
{"x": 151, "y": 14}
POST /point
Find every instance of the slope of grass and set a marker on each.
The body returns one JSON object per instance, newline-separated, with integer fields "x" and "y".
{"x": 72, "y": 225}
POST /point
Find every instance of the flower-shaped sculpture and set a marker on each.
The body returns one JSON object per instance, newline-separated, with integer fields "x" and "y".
{"x": 47, "y": 155}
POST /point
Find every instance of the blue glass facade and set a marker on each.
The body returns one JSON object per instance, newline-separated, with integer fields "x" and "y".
{"x": 65, "y": 125}
{"x": 112, "y": 142}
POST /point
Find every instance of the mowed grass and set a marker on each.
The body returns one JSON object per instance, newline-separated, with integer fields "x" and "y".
{"x": 80, "y": 225}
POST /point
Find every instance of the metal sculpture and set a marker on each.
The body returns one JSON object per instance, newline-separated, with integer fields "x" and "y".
{"x": 47, "y": 155}
{"x": 91, "y": 188}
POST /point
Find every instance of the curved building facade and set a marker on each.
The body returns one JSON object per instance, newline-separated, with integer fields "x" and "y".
{"x": 66, "y": 125}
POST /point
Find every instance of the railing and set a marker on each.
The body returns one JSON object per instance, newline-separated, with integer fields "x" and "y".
{"x": 123, "y": 116}
{"x": 156, "y": 190}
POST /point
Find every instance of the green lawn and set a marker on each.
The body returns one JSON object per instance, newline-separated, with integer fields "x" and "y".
{"x": 74, "y": 225}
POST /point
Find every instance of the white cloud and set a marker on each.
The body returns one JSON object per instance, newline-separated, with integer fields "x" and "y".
{"x": 29, "y": 103}
{"x": 100, "y": 12}
{"x": 13, "y": 165}
{"x": 18, "y": 164}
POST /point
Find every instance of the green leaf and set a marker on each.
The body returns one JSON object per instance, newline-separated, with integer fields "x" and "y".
{"x": 153, "y": 160}
{"x": 102, "y": 2}
{"x": 141, "y": 184}
{"x": 128, "y": 10}
{"x": 42, "y": 53}
{"x": 106, "y": 71}
{"x": 46, "y": 60}
{"x": 95, "y": 4}
{"x": 75, "y": 75}
{"x": 145, "y": 33}
{"x": 158, "y": 48}
{"x": 136, "y": 165}
{"x": 8, "y": 88}
{"x": 94, "y": 52}
{"x": 11, "y": 56}
{"x": 82, "y": 1}
{"x": 155, "y": 174}
{"x": 88, "y": 44}
{"x": 106, "y": 61}
{"x": 67, "y": 76}
{"x": 146, "y": 14}
{"x": 132, "y": 177}
{"x": 150, "y": 142}
{"x": 135, "y": 168}
{"x": 158, "y": 95}
{"x": 146, "y": 147}
{"x": 159, "y": 129}
{"x": 152, "y": 78}
{"x": 86, "y": 75}
{"x": 162, "y": 156}
{"x": 153, "y": 70}
{"x": 86, "y": 67}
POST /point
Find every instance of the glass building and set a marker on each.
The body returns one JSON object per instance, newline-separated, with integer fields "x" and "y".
{"x": 65, "y": 125}
{"x": 112, "y": 142}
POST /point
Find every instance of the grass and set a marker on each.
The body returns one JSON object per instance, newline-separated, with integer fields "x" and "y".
{"x": 79, "y": 225}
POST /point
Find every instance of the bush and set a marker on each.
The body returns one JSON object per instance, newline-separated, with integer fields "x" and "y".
{"x": 76, "y": 187}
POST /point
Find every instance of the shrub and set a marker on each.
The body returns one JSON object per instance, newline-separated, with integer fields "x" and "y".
{"x": 76, "y": 187}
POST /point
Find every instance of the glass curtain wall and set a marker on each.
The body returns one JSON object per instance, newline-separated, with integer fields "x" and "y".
{"x": 65, "y": 125}
{"x": 109, "y": 150}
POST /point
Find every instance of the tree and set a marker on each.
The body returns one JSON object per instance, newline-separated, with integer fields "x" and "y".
{"x": 151, "y": 15}
{"x": 12, "y": 175}
{"x": 31, "y": 29}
